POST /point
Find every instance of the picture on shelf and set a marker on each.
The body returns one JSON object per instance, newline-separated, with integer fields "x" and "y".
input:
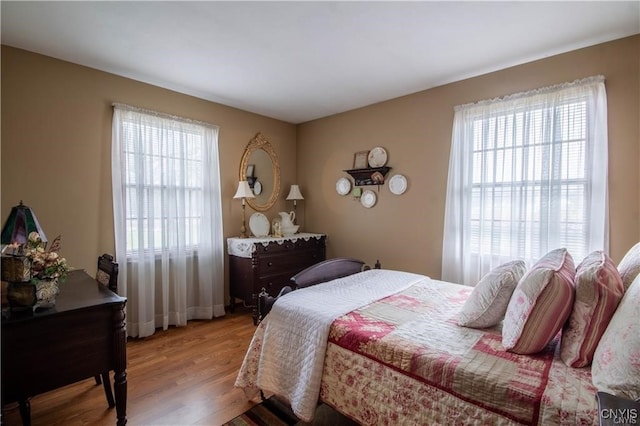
{"x": 361, "y": 160}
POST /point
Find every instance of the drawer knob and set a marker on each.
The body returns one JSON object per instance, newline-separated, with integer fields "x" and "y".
{"x": 269, "y": 263}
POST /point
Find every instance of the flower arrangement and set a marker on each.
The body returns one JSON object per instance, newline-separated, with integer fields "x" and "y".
{"x": 46, "y": 265}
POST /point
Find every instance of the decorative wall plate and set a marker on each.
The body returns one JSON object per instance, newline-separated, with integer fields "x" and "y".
{"x": 343, "y": 186}
{"x": 377, "y": 157}
{"x": 257, "y": 187}
{"x": 368, "y": 198}
{"x": 259, "y": 225}
{"x": 398, "y": 184}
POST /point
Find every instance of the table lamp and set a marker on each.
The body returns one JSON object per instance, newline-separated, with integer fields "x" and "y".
{"x": 243, "y": 192}
{"x": 20, "y": 223}
{"x": 295, "y": 195}
{"x": 15, "y": 266}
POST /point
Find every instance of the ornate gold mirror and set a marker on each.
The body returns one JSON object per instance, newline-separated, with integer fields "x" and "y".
{"x": 259, "y": 166}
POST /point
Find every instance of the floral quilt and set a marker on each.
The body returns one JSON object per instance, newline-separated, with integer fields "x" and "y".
{"x": 403, "y": 360}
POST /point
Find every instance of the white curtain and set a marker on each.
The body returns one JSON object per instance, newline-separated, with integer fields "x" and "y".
{"x": 167, "y": 219}
{"x": 527, "y": 174}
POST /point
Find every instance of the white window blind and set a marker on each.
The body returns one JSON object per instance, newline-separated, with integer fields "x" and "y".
{"x": 163, "y": 187}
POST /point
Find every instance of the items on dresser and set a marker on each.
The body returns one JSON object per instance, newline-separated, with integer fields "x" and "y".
{"x": 269, "y": 263}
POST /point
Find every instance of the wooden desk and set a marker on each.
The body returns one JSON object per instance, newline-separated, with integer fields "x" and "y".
{"x": 79, "y": 338}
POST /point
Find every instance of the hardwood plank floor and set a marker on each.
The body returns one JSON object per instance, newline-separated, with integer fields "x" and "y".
{"x": 182, "y": 376}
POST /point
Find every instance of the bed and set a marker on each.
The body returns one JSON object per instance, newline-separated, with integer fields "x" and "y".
{"x": 383, "y": 347}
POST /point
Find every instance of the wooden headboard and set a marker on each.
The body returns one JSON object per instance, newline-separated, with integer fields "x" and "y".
{"x": 324, "y": 271}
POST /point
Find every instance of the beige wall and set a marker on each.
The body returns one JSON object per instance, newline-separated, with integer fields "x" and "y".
{"x": 56, "y": 139}
{"x": 405, "y": 232}
{"x": 56, "y": 142}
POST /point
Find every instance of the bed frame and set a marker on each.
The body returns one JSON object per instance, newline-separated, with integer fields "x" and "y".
{"x": 327, "y": 270}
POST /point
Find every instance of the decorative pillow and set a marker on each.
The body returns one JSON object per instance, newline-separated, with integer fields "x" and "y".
{"x": 540, "y": 304}
{"x": 616, "y": 362}
{"x": 488, "y": 302}
{"x": 598, "y": 292}
{"x": 629, "y": 266}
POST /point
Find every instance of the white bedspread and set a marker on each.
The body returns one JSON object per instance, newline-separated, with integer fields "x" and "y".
{"x": 287, "y": 352}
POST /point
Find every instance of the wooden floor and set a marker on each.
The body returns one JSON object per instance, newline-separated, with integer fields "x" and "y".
{"x": 182, "y": 376}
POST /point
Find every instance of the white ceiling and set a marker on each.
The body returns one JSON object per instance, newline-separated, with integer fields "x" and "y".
{"x": 298, "y": 61}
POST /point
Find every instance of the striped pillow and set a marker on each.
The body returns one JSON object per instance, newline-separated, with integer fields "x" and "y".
{"x": 540, "y": 304}
{"x": 629, "y": 266}
{"x": 598, "y": 292}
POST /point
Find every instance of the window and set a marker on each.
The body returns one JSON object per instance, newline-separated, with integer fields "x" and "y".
{"x": 534, "y": 158}
{"x": 527, "y": 175}
{"x": 167, "y": 218}
{"x": 163, "y": 184}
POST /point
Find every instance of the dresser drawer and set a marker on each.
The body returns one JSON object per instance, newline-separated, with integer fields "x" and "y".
{"x": 292, "y": 262}
{"x": 274, "y": 283}
{"x": 289, "y": 246}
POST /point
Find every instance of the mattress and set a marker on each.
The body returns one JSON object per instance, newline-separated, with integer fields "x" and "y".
{"x": 396, "y": 356}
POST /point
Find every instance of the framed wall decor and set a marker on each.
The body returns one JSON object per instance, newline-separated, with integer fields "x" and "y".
{"x": 361, "y": 160}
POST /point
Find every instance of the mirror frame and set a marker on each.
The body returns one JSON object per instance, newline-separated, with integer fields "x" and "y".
{"x": 260, "y": 142}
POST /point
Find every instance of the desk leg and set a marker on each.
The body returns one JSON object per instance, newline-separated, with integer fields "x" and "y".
{"x": 120, "y": 365}
{"x": 25, "y": 412}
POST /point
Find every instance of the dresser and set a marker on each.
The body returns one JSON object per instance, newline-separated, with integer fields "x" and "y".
{"x": 269, "y": 263}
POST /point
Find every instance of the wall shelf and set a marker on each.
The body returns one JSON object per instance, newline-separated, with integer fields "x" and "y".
{"x": 364, "y": 177}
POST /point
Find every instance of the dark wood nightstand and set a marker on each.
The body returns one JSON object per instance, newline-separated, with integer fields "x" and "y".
{"x": 616, "y": 411}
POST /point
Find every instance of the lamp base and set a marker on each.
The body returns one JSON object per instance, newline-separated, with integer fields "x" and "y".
{"x": 30, "y": 296}
{"x": 16, "y": 268}
{"x": 21, "y": 296}
{"x": 243, "y": 228}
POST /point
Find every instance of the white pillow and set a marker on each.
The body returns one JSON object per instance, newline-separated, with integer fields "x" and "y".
{"x": 488, "y": 302}
{"x": 616, "y": 362}
{"x": 629, "y": 266}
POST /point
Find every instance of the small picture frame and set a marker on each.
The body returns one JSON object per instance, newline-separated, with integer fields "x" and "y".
{"x": 360, "y": 160}
{"x": 249, "y": 171}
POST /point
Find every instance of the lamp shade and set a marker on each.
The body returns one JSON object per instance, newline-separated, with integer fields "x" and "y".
{"x": 244, "y": 191}
{"x": 294, "y": 193}
{"x": 20, "y": 223}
